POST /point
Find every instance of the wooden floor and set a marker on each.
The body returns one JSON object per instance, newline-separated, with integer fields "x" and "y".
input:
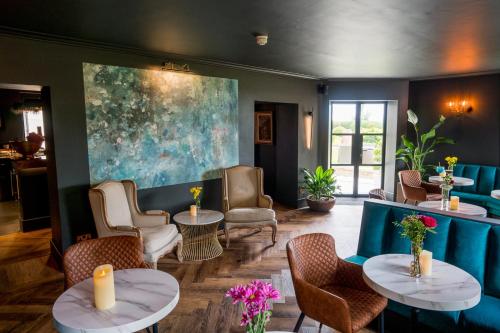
{"x": 202, "y": 306}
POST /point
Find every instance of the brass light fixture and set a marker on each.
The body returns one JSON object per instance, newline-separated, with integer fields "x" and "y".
{"x": 308, "y": 129}
{"x": 459, "y": 107}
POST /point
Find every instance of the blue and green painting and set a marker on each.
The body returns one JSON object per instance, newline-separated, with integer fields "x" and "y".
{"x": 159, "y": 127}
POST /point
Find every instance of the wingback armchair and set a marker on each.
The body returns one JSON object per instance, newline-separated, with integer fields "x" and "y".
{"x": 244, "y": 202}
{"x": 416, "y": 190}
{"x": 329, "y": 289}
{"x": 116, "y": 213}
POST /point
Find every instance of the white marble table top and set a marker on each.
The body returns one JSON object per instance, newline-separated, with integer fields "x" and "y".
{"x": 449, "y": 288}
{"x": 458, "y": 181}
{"x": 463, "y": 208}
{"x": 143, "y": 297}
{"x": 204, "y": 217}
{"x": 495, "y": 194}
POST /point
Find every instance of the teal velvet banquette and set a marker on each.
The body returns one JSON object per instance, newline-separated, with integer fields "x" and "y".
{"x": 473, "y": 244}
{"x": 486, "y": 179}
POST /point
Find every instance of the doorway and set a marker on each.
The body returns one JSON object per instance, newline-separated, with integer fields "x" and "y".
{"x": 357, "y": 145}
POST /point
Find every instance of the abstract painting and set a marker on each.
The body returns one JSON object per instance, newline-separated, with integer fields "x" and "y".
{"x": 159, "y": 128}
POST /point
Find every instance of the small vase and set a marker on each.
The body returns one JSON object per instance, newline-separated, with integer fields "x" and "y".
{"x": 415, "y": 269}
{"x": 445, "y": 196}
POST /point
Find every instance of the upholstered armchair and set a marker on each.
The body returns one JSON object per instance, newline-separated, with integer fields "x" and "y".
{"x": 329, "y": 289}
{"x": 377, "y": 193}
{"x": 116, "y": 213}
{"x": 244, "y": 202}
{"x": 414, "y": 189}
{"x": 122, "y": 252}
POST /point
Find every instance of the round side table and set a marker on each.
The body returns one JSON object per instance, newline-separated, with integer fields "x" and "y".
{"x": 457, "y": 181}
{"x": 199, "y": 234}
{"x": 463, "y": 208}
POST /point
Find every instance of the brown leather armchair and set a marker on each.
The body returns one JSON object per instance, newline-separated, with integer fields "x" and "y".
{"x": 329, "y": 289}
{"x": 414, "y": 189}
{"x": 82, "y": 258}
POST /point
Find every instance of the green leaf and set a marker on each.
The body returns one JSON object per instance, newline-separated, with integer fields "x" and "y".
{"x": 407, "y": 142}
{"x": 412, "y": 117}
{"x": 426, "y": 136}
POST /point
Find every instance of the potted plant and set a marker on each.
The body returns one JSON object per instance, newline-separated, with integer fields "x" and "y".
{"x": 414, "y": 153}
{"x": 320, "y": 185}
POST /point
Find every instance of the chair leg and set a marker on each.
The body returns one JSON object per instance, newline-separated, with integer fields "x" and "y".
{"x": 226, "y": 232}
{"x": 320, "y": 327}
{"x": 405, "y": 201}
{"x": 381, "y": 322}
{"x": 275, "y": 228}
{"x": 299, "y": 322}
{"x": 179, "y": 251}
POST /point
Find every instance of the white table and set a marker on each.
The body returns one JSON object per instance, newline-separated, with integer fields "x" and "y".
{"x": 463, "y": 208}
{"x": 199, "y": 234}
{"x": 457, "y": 181}
{"x": 143, "y": 297}
{"x": 495, "y": 194}
{"x": 449, "y": 288}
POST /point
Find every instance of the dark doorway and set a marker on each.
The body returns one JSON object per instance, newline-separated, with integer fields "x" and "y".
{"x": 279, "y": 157}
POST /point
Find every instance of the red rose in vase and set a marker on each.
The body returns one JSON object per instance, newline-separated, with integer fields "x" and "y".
{"x": 428, "y": 221}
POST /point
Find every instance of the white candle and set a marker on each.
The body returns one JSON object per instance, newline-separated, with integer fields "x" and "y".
{"x": 104, "y": 287}
{"x": 426, "y": 263}
{"x": 193, "y": 210}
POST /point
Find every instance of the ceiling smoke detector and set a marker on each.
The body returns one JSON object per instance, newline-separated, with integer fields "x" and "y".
{"x": 261, "y": 39}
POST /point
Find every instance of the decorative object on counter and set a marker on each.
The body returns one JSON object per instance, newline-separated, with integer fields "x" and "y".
{"x": 30, "y": 146}
{"x": 413, "y": 154}
{"x": 253, "y": 299}
{"x": 415, "y": 228}
{"x": 426, "y": 263}
{"x": 321, "y": 186}
{"x": 440, "y": 170}
{"x": 196, "y": 191}
{"x": 454, "y": 202}
{"x": 452, "y": 161}
{"x": 104, "y": 287}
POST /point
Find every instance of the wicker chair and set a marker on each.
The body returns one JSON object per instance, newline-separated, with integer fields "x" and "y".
{"x": 82, "y": 258}
{"x": 414, "y": 189}
{"x": 377, "y": 193}
{"x": 329, "y": 289}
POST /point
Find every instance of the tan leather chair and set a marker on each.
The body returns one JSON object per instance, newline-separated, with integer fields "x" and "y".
{"x": 115, "y": 210}
{"x": 244, "y": 202}
{"x": 329, "y": 289}
{"x": 414, "y": 189}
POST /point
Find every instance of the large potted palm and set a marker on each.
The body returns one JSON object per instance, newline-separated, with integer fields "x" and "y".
{"x": 320, "y": 186}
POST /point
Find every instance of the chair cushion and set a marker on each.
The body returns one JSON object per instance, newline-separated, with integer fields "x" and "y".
{"x": 363, "y": 306}
{"x": 486, "y": 181}
{"x": 359, "y": 260}
{"x": 253, "y": 214}
{"x": 158, "y": 237}
{"x": 492, "y": 280}
{"x": 373, "y": 225}
{"x": 484, "y": 317}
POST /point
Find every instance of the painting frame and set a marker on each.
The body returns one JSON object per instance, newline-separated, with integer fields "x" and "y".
{"x": 263, "y": 128}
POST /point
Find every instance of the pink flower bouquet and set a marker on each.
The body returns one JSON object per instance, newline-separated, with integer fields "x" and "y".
{"x": 253, "y": 299}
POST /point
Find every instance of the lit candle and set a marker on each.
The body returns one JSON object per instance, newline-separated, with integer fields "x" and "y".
{"x": 426, "y": 262}
{"x": 454, "y": 202}
{"x": 193, "y": 210}
{"x": 104, "y": 287}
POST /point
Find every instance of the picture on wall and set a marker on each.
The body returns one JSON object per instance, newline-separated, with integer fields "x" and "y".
{"x": 159, "y": 128}
{"x": 263, "y": 125}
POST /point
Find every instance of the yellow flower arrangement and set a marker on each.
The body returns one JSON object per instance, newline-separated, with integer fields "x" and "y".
{"x": 451, "y": 160}
{"x": 196, "y": 192}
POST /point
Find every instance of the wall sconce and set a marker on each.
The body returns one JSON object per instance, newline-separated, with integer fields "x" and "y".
{"x": 308, "y": 129}
{"x": 459, "y": 107}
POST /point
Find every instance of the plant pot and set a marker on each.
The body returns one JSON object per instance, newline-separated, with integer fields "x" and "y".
{"x": 323, "y": 205}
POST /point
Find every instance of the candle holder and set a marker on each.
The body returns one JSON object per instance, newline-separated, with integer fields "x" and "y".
{"x": 415, "y": 269}
{"x": 445, "y": 195}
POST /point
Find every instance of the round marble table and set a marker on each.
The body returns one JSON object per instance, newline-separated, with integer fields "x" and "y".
{"x": 457, "y": 181}
{"x": 199, "y": 234}
{"x": 495, "y": 194}
{"x": 463, "y": 208}
{"x": 143, "y": 297}
{"x": 449, "y": 288}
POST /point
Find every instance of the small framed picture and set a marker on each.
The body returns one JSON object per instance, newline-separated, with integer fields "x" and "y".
{"x": 263, "y": 127}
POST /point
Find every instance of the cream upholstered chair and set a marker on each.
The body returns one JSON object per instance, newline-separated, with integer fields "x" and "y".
{"x": 116, "y": 213}
{"x": 244, "y": 202}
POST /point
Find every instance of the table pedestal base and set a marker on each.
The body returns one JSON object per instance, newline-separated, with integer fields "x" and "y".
{"x": 414, "y": 320}
{"x": 200, "y": 241}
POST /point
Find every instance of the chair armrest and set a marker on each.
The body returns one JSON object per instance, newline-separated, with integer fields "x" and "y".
{"x": 265, "y": 201}
{"x": 322, "y": 306}
{"x": 414, "y": 193}
{"x": 150, "y": 219}
{"x": 225, "y": 204}
{"x": 351, "y": 275}
{"x": 431, "y": 188}
{"x": 126, "y": 230}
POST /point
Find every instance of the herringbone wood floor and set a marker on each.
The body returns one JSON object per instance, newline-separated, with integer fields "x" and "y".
{"x": 202, "y": 306}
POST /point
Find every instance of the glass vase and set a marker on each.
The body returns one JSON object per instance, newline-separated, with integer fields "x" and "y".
{"x": 415, "y": 269}
{"x": 445, "y": 195}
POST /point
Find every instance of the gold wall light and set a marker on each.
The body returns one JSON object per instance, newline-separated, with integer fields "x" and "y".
{"x": 308, "y": 129}
{"x": 459, "y": 107}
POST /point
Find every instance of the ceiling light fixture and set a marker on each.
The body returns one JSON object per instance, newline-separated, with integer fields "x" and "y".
{"x": 261, "y": 39}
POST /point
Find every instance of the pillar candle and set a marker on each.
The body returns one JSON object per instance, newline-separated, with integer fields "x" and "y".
{"x": 104, "y": 287}
{"x": 454, "y": 202}
{"x": 426, "y": 262}
{"x": 193, "y": 210}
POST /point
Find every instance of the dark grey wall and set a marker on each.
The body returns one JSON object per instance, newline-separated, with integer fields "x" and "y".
{"x": 12, "y": 124}
{"x": 477, "y": 134}
{"x": 59, "y": 66}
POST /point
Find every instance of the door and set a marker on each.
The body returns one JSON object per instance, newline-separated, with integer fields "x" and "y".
{"x": 357, "y": 145}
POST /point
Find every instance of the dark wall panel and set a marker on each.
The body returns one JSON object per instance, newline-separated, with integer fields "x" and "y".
{"x": 12, "y": 125}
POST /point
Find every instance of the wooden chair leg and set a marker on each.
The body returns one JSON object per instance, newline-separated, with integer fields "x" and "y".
{"x": 275, "y": 228}
{"x": 405, "y": 201}
{"x": 299, "y": 322}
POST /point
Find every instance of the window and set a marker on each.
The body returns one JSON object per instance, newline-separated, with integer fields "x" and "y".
{"x": 33, "y": 122}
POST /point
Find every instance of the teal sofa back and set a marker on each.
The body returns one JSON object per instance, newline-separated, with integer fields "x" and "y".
{"x": 472, "y": 244}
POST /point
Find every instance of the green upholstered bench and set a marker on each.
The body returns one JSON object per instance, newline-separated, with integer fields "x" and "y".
{"x": 471, "y": 243}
